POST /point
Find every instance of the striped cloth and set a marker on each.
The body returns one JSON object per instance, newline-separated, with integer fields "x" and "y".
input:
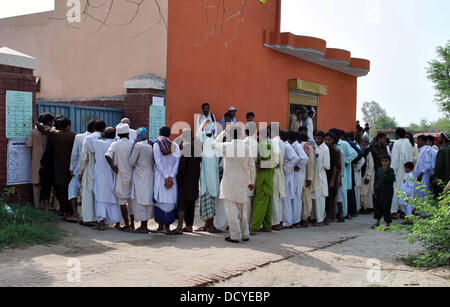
{"x": 207, "y": 207}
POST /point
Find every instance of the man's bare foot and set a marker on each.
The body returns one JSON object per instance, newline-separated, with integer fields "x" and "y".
{"x": 179, "y": 229}
{"x": 277, "y": 228}
{"x": 189, "y": 229}
{"x": 266, "y": 230}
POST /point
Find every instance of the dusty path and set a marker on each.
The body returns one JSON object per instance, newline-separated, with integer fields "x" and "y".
{"x": 332, "y": 256}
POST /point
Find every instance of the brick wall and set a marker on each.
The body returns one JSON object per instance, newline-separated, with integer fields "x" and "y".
{"x": 16, "y": 79}
{"x": 137, "y": 103}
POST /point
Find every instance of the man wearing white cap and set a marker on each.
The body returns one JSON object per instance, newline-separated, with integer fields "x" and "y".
{"x": 232, "y": 111}
{"x": 132, "y": 135}
{"x": 118, "y": 156}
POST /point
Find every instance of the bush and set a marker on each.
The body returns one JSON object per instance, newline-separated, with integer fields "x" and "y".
{"x": 27, "y": 226}
{"x": 431, "y": 227}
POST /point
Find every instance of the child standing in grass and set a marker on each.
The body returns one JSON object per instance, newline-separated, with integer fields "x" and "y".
{"x": 384, "y": 191}
{"x": 407, "y": 190}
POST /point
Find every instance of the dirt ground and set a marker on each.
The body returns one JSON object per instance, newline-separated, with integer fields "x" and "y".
{"x": 338, "y": 255}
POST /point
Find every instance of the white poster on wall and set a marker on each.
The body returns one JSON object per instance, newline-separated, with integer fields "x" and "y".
{"x": 18, "y": 162}
{"x": 19, "y": 114}
{"x": 158, "y": 101}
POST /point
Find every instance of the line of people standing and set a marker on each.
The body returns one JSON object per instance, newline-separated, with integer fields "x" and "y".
{"x": 245, "y": 180}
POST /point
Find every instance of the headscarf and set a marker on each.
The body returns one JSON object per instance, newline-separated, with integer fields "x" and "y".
{"x": 142, "y": 134}
{"x": 165, "y": 145}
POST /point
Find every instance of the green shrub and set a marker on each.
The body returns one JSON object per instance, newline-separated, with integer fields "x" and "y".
{"x": 431, "y": 227}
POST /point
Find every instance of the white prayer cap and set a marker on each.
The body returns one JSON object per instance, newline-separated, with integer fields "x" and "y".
{"x": 122, "y": 129}
{"x": 232, "y": 109}
{"x": 125, "y": 121}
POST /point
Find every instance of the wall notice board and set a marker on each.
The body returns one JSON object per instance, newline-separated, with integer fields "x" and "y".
{"x": 157, "y": 117}
{"x": 19, "y": 114}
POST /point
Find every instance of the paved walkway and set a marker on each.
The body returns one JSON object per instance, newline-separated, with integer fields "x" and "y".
{"x": 339, "y": 255}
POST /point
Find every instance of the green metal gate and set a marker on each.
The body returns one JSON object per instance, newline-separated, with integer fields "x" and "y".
{"x": 81, "y": 115}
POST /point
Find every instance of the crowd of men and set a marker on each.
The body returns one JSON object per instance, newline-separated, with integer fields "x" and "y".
{"x": 245, "y": 180}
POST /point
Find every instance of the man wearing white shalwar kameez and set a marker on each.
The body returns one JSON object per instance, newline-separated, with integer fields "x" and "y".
{"x": 402, "y": 152}
{"x": 75, "y": 185}
{"x": 239, "y": 176}
{"x": 167, "y": 159}
{"x": 107, "y": 209}
{"x": 118, "y": 156}
{"x": 279, "y": 185}
{"x": 86, "y": 171}
{"x": 299, "y": 179}
{"x": 320, "y": 178}
{"x": 141, "y": 160}
{"x": 425, "y": 166}
{"x": 291, "y": 159}
{"x": 252, "y": 144}
{"x": 221, "y": 220}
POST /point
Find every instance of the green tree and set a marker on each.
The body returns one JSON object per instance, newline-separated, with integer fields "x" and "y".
{"x": 443, "y": 124}
{"x": 424, "y": 125}
{"x": 385, "y": 122}
{"x": 371, "y": 111}
{"x": 439, "y": 73}
{"x": 440, "y": 125}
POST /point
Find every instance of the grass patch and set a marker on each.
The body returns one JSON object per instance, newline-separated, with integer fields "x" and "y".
{"x": 27, "y": 226}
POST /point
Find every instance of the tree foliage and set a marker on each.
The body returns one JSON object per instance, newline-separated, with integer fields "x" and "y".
{"x": 439, "y": 73}
{"x": 440, "y": 125}
{"x": 385, "y": 122}
{"x": 443, "y": 124}
{"x": 371, "y": 111}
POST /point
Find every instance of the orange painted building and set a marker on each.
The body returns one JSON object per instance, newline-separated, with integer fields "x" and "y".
{"x": 250, "y": 65}
{"x": 189, "y": 52}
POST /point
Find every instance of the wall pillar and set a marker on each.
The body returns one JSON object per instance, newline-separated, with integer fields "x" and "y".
{"x": 16, "y": 74}
{"x": 139, "y": 98}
